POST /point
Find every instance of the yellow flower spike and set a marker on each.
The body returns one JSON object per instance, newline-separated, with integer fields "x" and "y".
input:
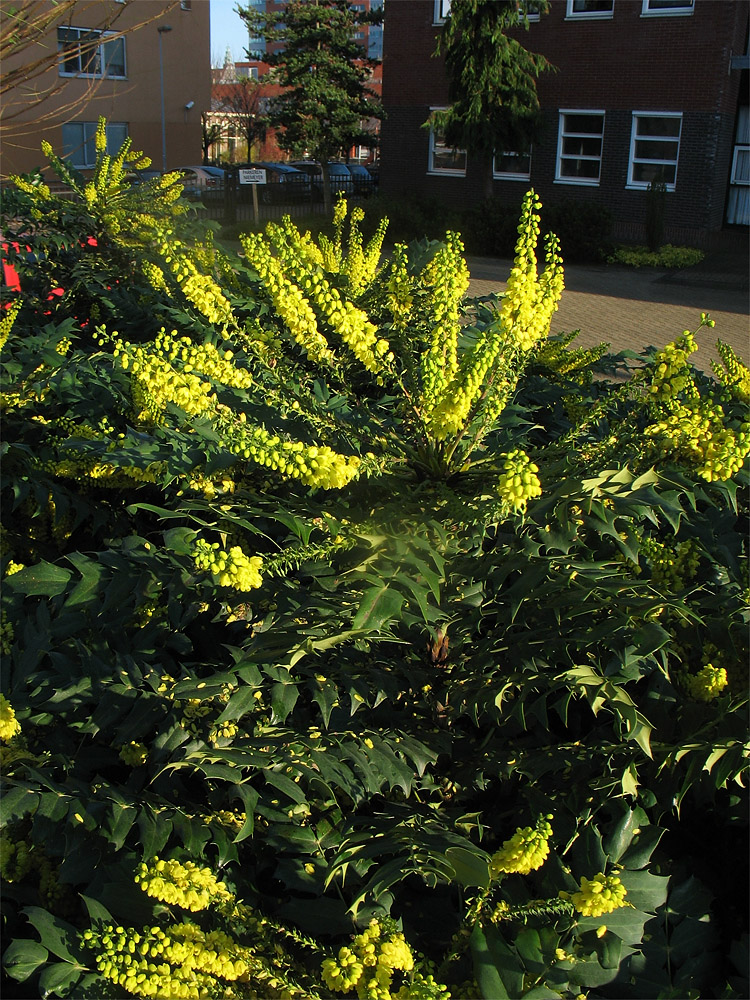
{"x": 599, "y": 895}
{"x": 526, "y": 850}
{"x": 9, "y": 724}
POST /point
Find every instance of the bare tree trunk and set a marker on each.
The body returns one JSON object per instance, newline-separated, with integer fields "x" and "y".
{"x": 487, "y": 184}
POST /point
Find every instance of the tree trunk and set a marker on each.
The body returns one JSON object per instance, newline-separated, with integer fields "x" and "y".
{"x": 487, "y": 184}
{"x": 327, "y": 200}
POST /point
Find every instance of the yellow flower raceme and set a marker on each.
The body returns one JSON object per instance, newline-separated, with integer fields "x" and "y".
{"x": 184, "y": 885}
{"x": 9, "y": 724}
{"x": 134, "y": 754}
{"x": 518, "y": 482}
{"x": 289, "y": 302}
{"x": 526, "y": 850}
{"x": 734, "y": 374}
{"x": 316, "y": 465}
{"x": 707, "y": 684}
{"x": 229, "y": 569}
{"x": 599, "y": 895}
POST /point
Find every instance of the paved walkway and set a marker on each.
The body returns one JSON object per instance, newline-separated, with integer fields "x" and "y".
{"x": 633, "y": 308}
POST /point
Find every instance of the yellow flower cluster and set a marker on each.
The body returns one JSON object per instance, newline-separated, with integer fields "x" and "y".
{"x": 518, "y": 482}
{"x": 13, "y": 567}
{"x": 447, "y": 278}
{"x": 199, "y": 289}
{"x": 707, "y": 684}
{"x": 530, "y": 300}
{"x": 347, "y": 321}
{"x": 526, "y": 850}
{"x": 184, "y": 885}
{"x": 228, "y": 569}
{"x": 316, "y": 465}
{"x": 289, "y": 302}
{"x": 173, "y": 369}
{"x": 369, "y": 964}
{"x": 9, "y": 724}
{"x": 134, "y": 754}
{"x": 7, "y": 637}
{"x": 601, "y": 894}
{"x": 734, "y": 375}
{"x": 181, "y": 962}
{"x": 696, "y": 431}
{"x": 672, "y": 373}
{"x": 16, "y": 859}
{"x": 672, "y": 566}
{"x": 399, "y": 297}
{"x": 6, "y": 323}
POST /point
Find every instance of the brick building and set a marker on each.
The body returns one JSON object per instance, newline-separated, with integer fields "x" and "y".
{"x": 110, "y": 58}
{"x": 644, "y": 89}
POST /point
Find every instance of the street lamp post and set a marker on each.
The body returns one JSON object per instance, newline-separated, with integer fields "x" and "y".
{"x": 161, "y": 30}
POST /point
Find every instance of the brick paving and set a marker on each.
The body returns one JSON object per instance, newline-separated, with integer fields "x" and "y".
{"x": 634, "y": 308}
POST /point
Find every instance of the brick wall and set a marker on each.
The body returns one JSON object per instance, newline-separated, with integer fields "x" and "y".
{"x": 620, "y": 65}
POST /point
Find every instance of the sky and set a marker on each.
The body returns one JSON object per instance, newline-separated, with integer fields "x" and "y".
{"x": 227, "y": 29}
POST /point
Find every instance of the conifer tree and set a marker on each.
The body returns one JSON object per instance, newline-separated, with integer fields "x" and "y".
{"x": 325, "y": 105}
{"x": 492, "y": 80}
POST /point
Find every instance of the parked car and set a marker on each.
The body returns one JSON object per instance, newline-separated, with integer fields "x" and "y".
{"x": 364, "y": 182}
{"x": 338, "y": 174}
{"x": 284, "y": 183}
{"x": 202, "y": 183}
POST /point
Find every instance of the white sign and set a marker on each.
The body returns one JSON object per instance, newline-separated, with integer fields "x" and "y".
{"x": 253, "y": 176}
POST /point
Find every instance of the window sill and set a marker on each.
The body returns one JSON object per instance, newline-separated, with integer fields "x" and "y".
{"x": 667, "y": 13}
{"x": 512, "y": 177}
{"x": 607, "y": 16}
{"x": 577, "y": 182}
{"x": 644, "y": 187}
{"x": 446, "y": 173}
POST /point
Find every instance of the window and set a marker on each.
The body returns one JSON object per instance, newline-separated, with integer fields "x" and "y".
{"x": 661, "y": 7}
{"x": 443, "y": 158}
{"x": 590, "y": 8}
{"x": 510, "y": 166}
{"x": 532, "y": 10}
{"x": 88, "y": 52}
{"x": 186, "y": 4}
{"x": 579, "y": 147}
{"x": 654, "y": 149}
{"x": 442, "y": 10}
{"x": 78, "y": 141}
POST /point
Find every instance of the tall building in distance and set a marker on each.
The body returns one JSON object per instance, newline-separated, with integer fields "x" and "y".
{"x": 369, "y": 36}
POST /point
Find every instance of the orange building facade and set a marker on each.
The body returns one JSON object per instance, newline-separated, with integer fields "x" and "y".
{"x": 125, "y": 61}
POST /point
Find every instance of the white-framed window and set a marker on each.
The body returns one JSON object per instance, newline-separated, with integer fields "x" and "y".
{"x": 741, "y": 165}
{"x": 442, "y": 10}
{"x": 532, "y": 10}
{"x": 661, "y": 7}
{"x": 79, "y": 145}
{"x": 580, "y": 9}
{"x": 654, "y": 148}
{"x": 512, "y": 166}
{"x": 579, "y": 147}
{"x": 90, "y": 52}
{"x": 444, "y": 159}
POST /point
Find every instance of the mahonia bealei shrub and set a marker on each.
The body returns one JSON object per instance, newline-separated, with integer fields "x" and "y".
{"x": 6, "y": 323}
{"x": 598, "y": 895}
{"x": 525, "y": 852}
{"x": 9, "y": 724}
{"x": 518, "y": 482}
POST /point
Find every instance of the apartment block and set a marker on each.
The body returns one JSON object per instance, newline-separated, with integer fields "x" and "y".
{"x": 644, "y": 90}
